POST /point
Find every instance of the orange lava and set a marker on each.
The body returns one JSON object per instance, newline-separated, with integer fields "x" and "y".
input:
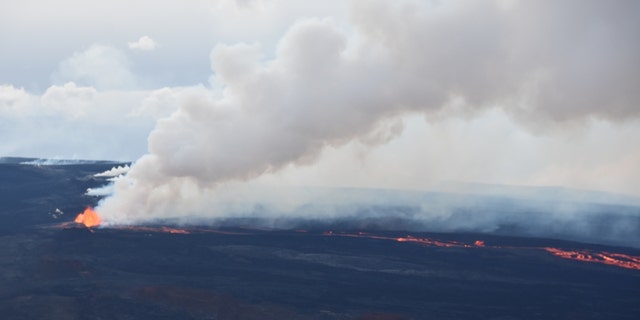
{"x": 602, "y": 257}
{"x": 408, "y": 238}
{"x": 89, "y": 218}
{"x": 174, "y": 230}
{"x": 610, "y": 258}
{"x": 432, "y": 242}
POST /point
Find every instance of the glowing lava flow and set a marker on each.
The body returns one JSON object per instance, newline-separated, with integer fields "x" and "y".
{"x": 602, "y": 257}
{"x": 434, "y": 243}
{"x": 89, "y": 218}
{"x": 409, "y": 238}
{"x": 610, "y": 258}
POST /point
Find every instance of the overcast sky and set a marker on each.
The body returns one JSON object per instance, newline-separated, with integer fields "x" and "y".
{"x": 388, "y": 94}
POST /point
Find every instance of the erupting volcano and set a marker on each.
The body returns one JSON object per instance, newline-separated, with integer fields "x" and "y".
{"x": 89, "y": 218}
{"x": 78, "y": 267}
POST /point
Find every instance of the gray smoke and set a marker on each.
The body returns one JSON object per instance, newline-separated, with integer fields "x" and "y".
{"x": 545, "y": 63}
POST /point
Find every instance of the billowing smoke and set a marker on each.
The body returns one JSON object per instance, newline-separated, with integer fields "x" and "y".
{"x": 543, "y": 63}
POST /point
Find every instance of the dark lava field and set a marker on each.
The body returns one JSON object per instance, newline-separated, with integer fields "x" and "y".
{"x": 52, "y": 268}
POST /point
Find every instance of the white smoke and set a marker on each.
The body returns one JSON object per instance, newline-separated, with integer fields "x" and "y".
{"x": 544, "y": 63}
{"x": 106, "y": 190}
{"x": 114, "y": 172}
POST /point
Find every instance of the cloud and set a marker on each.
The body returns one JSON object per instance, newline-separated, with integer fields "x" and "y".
{"x": 143, "y": 44}
{"x": 328, "y": 86}
{"x": 14, "y": 101}
{"x": 80, "y": 122}
{"x": 186, "y": 34}
{"x": 99, "y": 66}
{"x": 69, "y": 99}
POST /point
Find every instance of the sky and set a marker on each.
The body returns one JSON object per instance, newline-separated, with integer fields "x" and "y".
{"x": 376, "y": 94}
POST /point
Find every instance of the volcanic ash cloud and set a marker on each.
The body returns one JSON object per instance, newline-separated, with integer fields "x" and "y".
{"x": 329, "y": 84}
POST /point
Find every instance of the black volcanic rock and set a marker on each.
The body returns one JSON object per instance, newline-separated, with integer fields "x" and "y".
{"x": 30, "y": 194}
{"x": 54, "y": 271}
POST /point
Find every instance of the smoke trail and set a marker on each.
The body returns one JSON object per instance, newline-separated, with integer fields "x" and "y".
{"x": 327, "y": 85}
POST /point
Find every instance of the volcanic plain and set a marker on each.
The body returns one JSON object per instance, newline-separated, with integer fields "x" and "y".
{"x": 54, "y": 268}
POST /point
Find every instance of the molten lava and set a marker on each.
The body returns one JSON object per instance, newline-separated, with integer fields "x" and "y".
{"x": 603, "y": 257}
{"x": 89, "y": 218}
{"x": 432, "y": 242}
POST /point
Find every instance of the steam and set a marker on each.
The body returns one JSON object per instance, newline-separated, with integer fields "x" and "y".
{"x": 114, "y": 172}
{"x": 106, "y": 190}
{"x": 546, "y": 64}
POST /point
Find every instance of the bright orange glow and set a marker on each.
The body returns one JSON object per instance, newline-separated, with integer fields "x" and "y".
{"x": 610, "y": 258}
{"x": 408, "y": 238}
{"x": 89, "y": 218}
{"x": 602, "y": 257}
{"x": 432, "y": 242}
{"x": 174, "y": 230}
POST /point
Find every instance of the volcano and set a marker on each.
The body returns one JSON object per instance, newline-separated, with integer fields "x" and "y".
{"x": 58, "y": 266}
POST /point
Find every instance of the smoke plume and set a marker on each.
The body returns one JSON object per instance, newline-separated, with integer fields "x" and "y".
{"x": 543, "y": 63}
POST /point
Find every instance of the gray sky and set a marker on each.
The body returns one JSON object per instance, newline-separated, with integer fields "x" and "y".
{"x": 389, "y": 94}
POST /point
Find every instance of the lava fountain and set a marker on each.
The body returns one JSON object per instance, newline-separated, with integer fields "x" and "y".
{"x": 89, "y": 218}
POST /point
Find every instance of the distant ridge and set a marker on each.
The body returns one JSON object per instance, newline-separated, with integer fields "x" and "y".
{"x": 53, "y": 162}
